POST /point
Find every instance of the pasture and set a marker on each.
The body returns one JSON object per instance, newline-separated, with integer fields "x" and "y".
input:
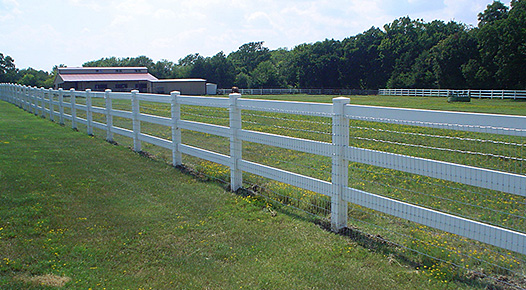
{"x": 392, "y": 184}
{"x": 449, "y": 256}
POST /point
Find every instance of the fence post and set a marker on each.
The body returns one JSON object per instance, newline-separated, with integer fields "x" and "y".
{"x": 61, "y": 106}
{"x": 51, "y": 105}
{"x": 27, "y": 91}
{"x": 22, "y": 96}
{"x": 89, "y": 114}
{"x": 32, "y": 101}
{"x": 109, "y": 117}
{"x": 32, "y": 106}
{"x": 26, "y": 98}
{"x": 42, "y": 104}
{"x": 17, "y": 96}
{"x": 11, "y": 94}
{"x": 340, "y": 166}
{"x": 177, "y": 158}
{"x": 236, "y": 175}
{"x": 73, "y": 109}
{"x": 14, "y": 100}
{"x": 136, "y": 122}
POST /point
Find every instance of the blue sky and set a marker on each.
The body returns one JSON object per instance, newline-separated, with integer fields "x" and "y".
{"x": 41, "y": 34}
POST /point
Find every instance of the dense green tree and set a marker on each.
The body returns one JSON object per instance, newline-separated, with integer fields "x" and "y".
{"x": 502, "y": 45}
{"x": 104, "y": 62}
{"x": 35, "y": 78}
{"x": 266, "y": 76}
{"x": 450, "y": 56}
{"x": 163, "y": 69}
{"x": 200, "y": 68}
{"x": 361, "y": 64}
{"x": 140, "y": 61}
{"x": 222, "y": 70}
{"x": 326, "y": 59}
{"x": 511, "y": 58}
{"x": 243, "y": 80}
{"x": 399, "y": 49}
{"x": 185, "y": 65}
{"x": 300, "y": 72}
{"x": 8, "y": 69}
{"x": 494, "y": 12}
{"x": 407, "y": 44}
{"x": 249, "y": 56}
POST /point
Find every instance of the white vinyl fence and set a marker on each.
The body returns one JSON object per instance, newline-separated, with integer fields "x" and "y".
{"x": 343, "y": 118}
{"x": 483, "y": 94}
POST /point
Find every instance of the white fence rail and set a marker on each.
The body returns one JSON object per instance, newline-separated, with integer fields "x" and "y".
{"x": 483, "y": 94}
{"x": 51, "y": 103}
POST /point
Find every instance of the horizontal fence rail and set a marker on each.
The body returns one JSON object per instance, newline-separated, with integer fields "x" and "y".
{"x": 482, "y": 94}
{"x": 343, "y": 119}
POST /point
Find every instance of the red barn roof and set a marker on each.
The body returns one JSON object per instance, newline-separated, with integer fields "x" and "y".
{"x": 103, "y": 74}
{"x": 97, "y": 77}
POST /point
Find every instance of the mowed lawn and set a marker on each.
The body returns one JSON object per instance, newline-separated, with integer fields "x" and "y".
{"x": 77, "y": 213}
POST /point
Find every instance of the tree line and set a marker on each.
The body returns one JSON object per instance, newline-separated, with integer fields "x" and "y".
{"x": 406, "y": 53}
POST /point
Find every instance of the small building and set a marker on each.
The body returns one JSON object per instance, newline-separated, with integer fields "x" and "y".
{"x": 211, "y": 89}
{"x": 118, "y": 79}
{"x": 185, "y": 86}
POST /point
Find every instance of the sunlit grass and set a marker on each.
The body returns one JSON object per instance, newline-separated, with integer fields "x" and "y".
{"x": 79, "y": 211}
{"x": 482, "y": 205}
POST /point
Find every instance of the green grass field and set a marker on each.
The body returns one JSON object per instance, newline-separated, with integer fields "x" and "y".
{"x": 475, "y": 149}
{"x": 492, "y": 106}
{"x": 79, "y": 213}
{"x": 108, "y": 218}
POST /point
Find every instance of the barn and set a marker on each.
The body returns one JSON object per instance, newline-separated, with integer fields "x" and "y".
{"x": 118, "y": 79}
{"x": 124, "y": 79}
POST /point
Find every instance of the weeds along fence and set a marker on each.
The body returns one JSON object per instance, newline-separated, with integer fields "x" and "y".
{"x": 483, "y": 94}
{"x": 445, "y": 190}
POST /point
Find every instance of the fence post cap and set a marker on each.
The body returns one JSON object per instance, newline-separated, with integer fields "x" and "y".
{"x": 341, "y": 100}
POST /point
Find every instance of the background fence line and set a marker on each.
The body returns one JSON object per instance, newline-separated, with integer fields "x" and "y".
{"x": 337, "y": 187}
{"x": 291, "y": 91}
{"x": 483, "y": 94}
{"x": 474, "y": 93}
